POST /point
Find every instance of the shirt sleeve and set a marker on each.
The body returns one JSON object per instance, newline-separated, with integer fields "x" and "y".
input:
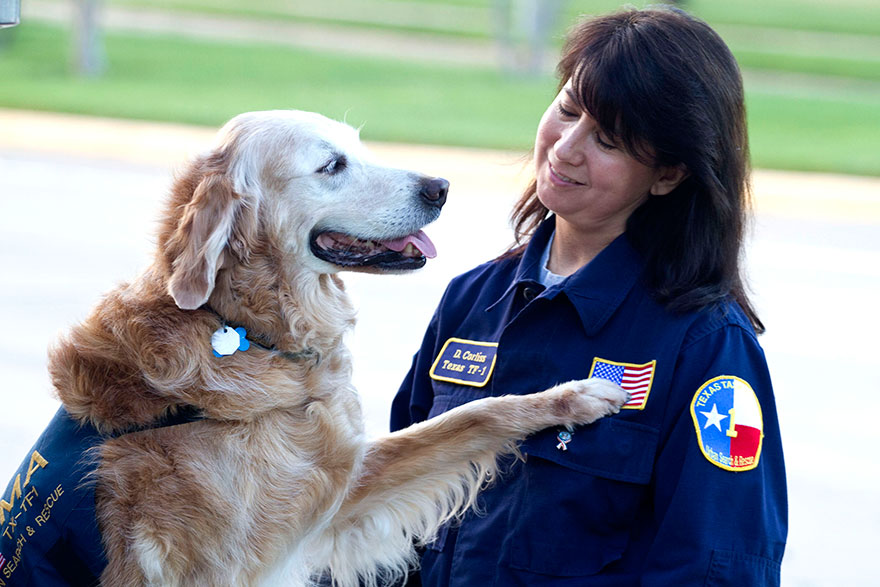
{"x": 716, "y": 524}
{"x": 416, "y": 394}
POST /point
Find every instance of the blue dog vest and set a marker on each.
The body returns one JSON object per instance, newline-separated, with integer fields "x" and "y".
{"x": 48, "y": 530}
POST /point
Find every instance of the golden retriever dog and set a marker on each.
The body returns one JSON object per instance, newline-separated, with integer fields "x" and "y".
{"x": 241, "y": 319}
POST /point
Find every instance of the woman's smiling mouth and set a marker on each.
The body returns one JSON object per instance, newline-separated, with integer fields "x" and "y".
{"x": 561, "y": 179}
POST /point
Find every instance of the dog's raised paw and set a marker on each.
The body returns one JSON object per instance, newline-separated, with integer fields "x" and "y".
{"x": 591, "y": 399}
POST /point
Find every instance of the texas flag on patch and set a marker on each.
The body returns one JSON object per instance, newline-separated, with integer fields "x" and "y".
{"x": 729, "y": 423}
{"x": 634, "y": 379}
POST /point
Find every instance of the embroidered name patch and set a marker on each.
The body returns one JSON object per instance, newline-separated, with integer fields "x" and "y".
{"x": 468, "y": 362}
{"x": 634, "y": 379}
{"x": 729, "y": 423}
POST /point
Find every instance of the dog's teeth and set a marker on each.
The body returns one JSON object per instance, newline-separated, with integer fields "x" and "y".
{"x": 409, "y": 250}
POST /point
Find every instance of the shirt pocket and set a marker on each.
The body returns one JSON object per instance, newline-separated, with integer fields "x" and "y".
{"x": 451, "y": 395}
{"x": 730, "y": 569}
{"x": 578, "y": 505}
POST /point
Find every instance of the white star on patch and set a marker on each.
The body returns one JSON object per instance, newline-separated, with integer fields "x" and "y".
{"x": 713, "y": 418}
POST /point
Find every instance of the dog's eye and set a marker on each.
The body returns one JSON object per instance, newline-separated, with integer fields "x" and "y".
{"x": 334, "y": 166}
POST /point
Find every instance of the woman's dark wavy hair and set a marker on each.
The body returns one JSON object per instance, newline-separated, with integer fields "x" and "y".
{"x": 665, "y": 86}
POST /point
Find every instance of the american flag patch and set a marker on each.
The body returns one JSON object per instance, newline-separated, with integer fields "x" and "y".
{"x": 634, "y": 379}
{"x": 2, "y": 561}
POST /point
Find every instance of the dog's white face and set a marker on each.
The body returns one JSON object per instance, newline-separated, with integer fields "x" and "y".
{"x": 334, "y": 207}
{"x": 304, "y": 184}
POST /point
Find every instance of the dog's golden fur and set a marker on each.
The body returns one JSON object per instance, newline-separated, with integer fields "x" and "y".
{"x": 277, "y": 483}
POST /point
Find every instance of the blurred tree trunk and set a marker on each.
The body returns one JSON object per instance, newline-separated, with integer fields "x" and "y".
{"x": 89, "y": 59}
{"x": 524, "y": 30}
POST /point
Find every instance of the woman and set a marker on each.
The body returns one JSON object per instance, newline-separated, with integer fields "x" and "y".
{"x": 627, "y": 267}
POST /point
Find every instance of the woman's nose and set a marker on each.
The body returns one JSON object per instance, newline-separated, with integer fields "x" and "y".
{"x": 570, "y": 147}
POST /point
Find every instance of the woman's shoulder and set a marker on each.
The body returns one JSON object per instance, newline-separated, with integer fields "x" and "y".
{"x": 726, "y": 314}
{"x": 502, "y": 269}
{"x": 485, "y": 282}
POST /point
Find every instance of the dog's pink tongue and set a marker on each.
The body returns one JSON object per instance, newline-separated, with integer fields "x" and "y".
{"x": 419, "y": 240}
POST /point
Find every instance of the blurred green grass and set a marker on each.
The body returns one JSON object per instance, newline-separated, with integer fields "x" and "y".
{"x": 841, "y": 16}
{"x": 204, "y": 82}
{"x": 810, "y": 107}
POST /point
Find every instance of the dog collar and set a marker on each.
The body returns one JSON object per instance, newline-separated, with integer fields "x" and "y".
{"x": 229, "y": 339}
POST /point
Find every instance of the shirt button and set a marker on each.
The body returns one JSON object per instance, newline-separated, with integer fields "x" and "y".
{"x": 530, "y": 293}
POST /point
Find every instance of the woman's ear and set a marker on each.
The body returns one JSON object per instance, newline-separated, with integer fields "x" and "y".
{"x": 670, "y": 177}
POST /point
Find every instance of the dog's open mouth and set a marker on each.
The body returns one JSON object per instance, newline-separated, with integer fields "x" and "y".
{"x": 408, "y": 252}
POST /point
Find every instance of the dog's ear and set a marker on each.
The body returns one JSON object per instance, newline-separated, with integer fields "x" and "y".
{"x": 217, "y": 221}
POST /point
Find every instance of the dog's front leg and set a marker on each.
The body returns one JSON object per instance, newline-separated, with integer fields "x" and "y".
{"x": 415, "y": 479}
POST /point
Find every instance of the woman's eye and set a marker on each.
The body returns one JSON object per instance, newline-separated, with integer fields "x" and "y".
{"x": 603, "y": 143}
{"x": 565, "y": 112}
{"x": 334, "y": 166}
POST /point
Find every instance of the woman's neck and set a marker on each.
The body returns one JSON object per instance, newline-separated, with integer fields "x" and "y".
{"x": 574, "y": 247}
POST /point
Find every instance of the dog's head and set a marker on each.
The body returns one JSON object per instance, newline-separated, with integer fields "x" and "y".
{"x": 302, "y": 186}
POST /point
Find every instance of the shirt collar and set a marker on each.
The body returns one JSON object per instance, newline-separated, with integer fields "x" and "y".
{"x": 596, "y": 290}
{"x": 527, "y": 271}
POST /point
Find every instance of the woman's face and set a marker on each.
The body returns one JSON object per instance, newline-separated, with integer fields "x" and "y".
{"x": 583, "y": 177}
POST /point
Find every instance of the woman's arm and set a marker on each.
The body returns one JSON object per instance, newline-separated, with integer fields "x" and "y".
{"x": 720, "y": 505}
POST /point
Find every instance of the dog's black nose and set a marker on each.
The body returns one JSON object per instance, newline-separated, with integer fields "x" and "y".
{"x": 434, "y": 191}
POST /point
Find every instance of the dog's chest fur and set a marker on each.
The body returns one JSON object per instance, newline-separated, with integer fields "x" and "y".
{"x": 276, "y": 455}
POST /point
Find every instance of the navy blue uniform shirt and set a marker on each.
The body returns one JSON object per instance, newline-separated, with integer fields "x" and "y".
{"x": 685, "y": 486}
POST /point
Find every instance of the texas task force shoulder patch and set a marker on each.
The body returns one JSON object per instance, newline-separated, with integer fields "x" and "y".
{"x": 468, "y": 362}
{"x": 729, "y": 423}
